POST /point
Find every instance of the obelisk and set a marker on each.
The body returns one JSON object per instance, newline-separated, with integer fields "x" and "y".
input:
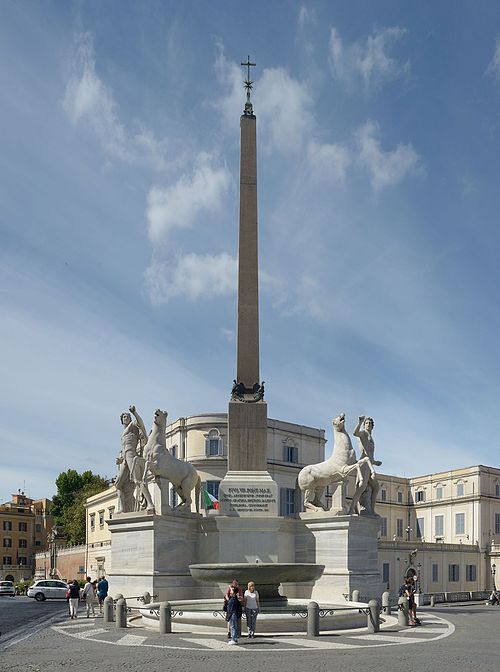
{"x": 247, "y": 416}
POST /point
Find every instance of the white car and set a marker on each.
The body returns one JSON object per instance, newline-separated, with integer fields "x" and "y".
{"x": 7, "y": 588}
{"x": 48, "y": 589}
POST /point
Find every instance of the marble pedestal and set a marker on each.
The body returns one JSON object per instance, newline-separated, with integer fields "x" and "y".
{"x": 347, "y": 546}
{"x": 153, "y": 553}
{"x": 252, "y": 494}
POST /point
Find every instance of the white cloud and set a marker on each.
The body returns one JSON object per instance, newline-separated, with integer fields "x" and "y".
{"x": 306, "y": 15}
{"x": 176, "y": 206}
{"x": 88, "y": 102}
{"x": 329, "y": 162}
{"x": 385, "y": 168}
{"x": 193, "y": 276}
{"x": 493, "y": 68}
{"x": 368, "y": 62}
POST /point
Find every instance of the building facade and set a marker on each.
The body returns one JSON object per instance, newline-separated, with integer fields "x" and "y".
{"x": 24, "y": 525}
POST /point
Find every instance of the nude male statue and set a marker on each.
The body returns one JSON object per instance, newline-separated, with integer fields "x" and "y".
{"x": 368, "y": 493}
{"x": 133, "y": 437}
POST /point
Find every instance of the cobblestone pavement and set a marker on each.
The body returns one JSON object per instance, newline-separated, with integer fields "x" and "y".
{"x": 450, "y": 639}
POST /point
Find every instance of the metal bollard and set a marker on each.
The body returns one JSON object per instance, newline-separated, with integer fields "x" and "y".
{"x": 119, "y": 596}
{"x": 146, "y": 597}
{"x": 313, "y": 619}
{"x": 433, "y": 601}
{"x": 108, "y": 609}
{"x": 165, "y": 618}
{"x": 403, "y": 612}
{"x": 373, "y": 617}
{"x": 386, "y": 602}
{"x": 121, "y": 613}
{"x": 355, "y": 595}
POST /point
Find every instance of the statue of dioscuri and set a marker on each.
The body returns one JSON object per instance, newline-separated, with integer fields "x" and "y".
{"x": 367, "y": 485}
{"x": 314, "y": 478}
{"x": 161, "y": 464}
{"x": 132, "y": 492}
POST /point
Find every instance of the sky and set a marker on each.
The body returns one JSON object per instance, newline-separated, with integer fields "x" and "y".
{"x": 378, "y": 130}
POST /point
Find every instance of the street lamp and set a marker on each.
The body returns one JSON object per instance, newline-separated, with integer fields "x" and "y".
{"x": 493, "y": 572}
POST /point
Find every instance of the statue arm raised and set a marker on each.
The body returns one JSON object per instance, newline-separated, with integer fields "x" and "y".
{"x": 139, "y": 421}
{"x": 357, "y": 430}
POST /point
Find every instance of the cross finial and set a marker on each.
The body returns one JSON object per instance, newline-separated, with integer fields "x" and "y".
{"x": 248, "y": 86}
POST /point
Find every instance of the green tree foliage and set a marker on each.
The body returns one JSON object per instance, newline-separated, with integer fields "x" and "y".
{"x": 68, "y": 505}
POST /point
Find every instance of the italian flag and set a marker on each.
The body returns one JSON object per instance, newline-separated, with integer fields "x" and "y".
{"x": 210, "y": 501}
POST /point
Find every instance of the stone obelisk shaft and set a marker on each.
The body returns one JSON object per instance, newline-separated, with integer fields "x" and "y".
{"x": 247, "y": 368}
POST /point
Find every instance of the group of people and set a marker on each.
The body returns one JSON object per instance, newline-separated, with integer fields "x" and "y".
{"x": 408, "y": 590}
{"x": 91, "y": 592}
{"x": 235, "y": 603}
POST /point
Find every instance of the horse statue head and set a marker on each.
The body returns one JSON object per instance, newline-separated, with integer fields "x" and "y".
{"x": 339, "y": 423}
{"x": 160, "y": 419}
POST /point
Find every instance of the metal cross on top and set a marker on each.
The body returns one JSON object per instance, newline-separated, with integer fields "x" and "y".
{"x": 248, "y": 83}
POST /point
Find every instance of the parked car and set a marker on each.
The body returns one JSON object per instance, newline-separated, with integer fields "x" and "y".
{"x": 7, "y": 588}
{"x": 48, "y": 589}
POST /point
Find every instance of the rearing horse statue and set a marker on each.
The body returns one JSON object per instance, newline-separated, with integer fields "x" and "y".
{"x": 159, "y": 462}
{"x": 314, "y": 478}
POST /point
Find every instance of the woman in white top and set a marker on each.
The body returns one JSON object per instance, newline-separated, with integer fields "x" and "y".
{"x": 252, "y": 607}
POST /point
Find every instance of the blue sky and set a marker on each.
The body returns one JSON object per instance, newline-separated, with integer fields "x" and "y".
{"x": 378, "y": 142}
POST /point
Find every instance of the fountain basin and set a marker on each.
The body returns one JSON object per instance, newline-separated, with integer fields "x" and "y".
{"x": 266, "y": 575}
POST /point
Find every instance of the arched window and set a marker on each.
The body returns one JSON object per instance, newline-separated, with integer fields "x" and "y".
{"x": 213, "y": 443}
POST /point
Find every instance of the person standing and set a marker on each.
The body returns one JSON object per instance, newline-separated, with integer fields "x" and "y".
{"x": 233, "y": 615}
{"x": 252, "y": 607}
{"x": 89, "y": 596}
{"x": 102, "y": 592}
{"x": 74, "y": 598}
{"x": 227, "y": 597}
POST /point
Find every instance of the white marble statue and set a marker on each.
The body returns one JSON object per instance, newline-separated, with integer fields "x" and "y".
{"x": 131, "y": 493}
{"x": 367, "y": 485}
{"x": 314, "y": 478}
{"x": 161, "y": 464}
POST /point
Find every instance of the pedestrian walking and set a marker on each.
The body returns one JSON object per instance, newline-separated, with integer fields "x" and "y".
{"x": 74, "y": 598}
{"x": 252, "y": 607}
{"x": 233, "y": 615}
{"x": 102, "y": 592}
{"x": 89, "y": 597}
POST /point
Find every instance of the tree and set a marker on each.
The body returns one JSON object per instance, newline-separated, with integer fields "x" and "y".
{"x": 68, "y": 505}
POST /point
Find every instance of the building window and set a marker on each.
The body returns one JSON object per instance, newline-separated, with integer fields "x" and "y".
{"x": 497, "y": 523}
{"x": 460, "y": 489}
{"x": 439, "y": 492}
{"x": 399, "y": 527}
{"x": 38, "y": 542}
{"x": 38, "y": 528}
{"x": 213, "y": 443}
{"x": 7, "y": 560}
{"x": 435, "y": 573}
{"x": 470, "y": 573}
{"x": 22, "y": 560}
{"x": 92, "y": 521}
{"x": 438, "y": 526}
{"x": 111, "y": 512}
{"x": 453, "y": 573}
{"x": 383, "y": 527}
{"x": 213, "y": 488}
{"x": 385, "y": 572}
{"x": 420, "y": 528}
{"x": 173, "y": 451}
{"x": 460, "y": 523}
{"x": 7, "y": 525}
{"x": 420, "y": 496}
{"x": 400, "y": 497}
{"x": 287, "y": 502}
{"x": 23, "y": 543}
{"x": 7, "y": 543}
{"x": 383, "y": 495}
{"x": 23, "y": 527}
{"x": 497, "y": 489}
{"x": 173, "y": 498}
{"x": 101, "y": 518}
{"x": 290, "y": 454}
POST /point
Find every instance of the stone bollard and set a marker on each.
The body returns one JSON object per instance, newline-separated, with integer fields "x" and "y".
{"x": 433, "y": 601}
{"x": 386, "y": 602}
{"x": 108, "y": 609}
{"x": 165, "y": 618}
{"x": 403, "y": 613}
{"x": 373, "y": 618}
{"x": 119, "y": 596}
{"x": 313, "y": 619}
{"x": 146, "y": 597}
{"x": 355, "y": 595}
{"x": 121, "y": 613}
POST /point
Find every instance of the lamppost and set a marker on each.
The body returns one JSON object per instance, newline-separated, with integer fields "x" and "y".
{"x": 493, "y": 572}
{"x": 419, "y": 567}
